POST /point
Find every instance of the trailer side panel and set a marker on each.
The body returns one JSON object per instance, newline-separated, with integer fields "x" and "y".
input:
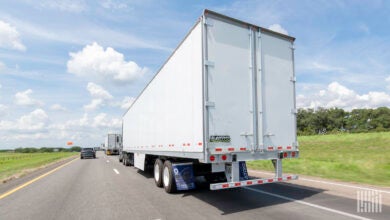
{"x": 167, "y": 117}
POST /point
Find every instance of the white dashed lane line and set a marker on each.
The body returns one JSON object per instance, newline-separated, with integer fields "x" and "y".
{"x": 116, "y": 171}
{"x": 308, "y": 204}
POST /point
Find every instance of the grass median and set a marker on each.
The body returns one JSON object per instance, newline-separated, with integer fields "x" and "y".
{"x": 17, "y": 164}
{"x": 360, "y": 158}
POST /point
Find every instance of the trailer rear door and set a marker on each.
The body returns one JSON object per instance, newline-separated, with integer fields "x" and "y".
{"x": 229, "y": 83}
{"x": 250, "y": 95}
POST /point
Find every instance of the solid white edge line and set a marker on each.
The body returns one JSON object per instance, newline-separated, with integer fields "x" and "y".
{"x": 116, "y": 171}
{"x": 309, "y": 204}
{"x": 331, "y": 183}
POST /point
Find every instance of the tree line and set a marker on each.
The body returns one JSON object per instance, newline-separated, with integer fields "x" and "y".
{"x": 335, "y": 120}
{"x": 46, "y": 149}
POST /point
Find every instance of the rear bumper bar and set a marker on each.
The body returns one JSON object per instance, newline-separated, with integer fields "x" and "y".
{"x": 251, "y": 182}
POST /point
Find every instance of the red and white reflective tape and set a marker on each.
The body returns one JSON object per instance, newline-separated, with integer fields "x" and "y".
{"x": 251, "y": 182}
{"x": 229, "y": 149}
{"x": 272, "y": 148}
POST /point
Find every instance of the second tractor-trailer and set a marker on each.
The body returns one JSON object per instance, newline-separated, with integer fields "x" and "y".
{"x": 225, "y": 96}
{"x": 113, "y": 144}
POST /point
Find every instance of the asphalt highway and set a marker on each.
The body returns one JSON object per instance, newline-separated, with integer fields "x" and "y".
{"x": 103, "y": 188}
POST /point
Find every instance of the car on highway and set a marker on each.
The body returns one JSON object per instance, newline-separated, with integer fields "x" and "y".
{"x": 87, "y": 153}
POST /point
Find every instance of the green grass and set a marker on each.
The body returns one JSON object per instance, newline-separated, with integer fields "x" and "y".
{"x": 18, "y": 163}
{"x": 360, "y": 158}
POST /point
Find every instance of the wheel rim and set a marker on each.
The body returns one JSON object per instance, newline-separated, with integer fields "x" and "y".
{"x": 166, "y": 177}
{"x": 156, "y": 172}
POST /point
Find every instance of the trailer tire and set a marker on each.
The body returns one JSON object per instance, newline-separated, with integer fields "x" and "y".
{"x": 125, "y": 160}
{"x": 158, "y": 172}
{"x": 168, "y": 178}
{"x": 120, "y": 158}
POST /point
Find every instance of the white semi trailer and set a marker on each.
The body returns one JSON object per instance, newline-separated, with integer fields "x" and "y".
{"x": 113, "y": 144}
{"x": 225, "y": 96}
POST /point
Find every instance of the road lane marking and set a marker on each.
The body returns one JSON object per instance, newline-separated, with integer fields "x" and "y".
{"x": 116, "y": 171}
{"x": 308, "y": 204}
{"x": 35, "y": 179}
{"x": 108, "y": 161}
{"x": 331, "y": 183}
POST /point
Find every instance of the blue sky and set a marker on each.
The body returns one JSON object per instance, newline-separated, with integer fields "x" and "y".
{"x": 69, "y": 69}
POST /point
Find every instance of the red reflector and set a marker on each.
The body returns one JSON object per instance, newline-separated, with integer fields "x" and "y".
{"x": 289, "y": 147}
{"x": 270, "y": 148}
{"x": 188, "y": 144}
{"x": 289, "y": 178}
{"x": 280, "y": 179}
{"x": 260, "y": 181}
{"x": 237, "y": 184}
{"x": 249, "y": 182}
{"x": 230, "y": 149}
{"x": 270, "y": 180}
{"x": 242, "y": 148}
{"x": 280, "y": 148}
{"x": 200, "y": 143}
{"x": 292, "y": 154}
{"x": 285, "y": 154}
{"x": 225, "y": 185}
{"x": 212, "y": 158}
{"x": 224, "y": 157}
{"x": 218, "y": 149}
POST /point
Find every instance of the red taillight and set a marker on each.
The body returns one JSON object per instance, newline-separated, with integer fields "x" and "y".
{"x": 212, "y": 158}
{"x": 224, "y": 157}
{"x": 292, "y": 154}
{"x": 285, "y": 154}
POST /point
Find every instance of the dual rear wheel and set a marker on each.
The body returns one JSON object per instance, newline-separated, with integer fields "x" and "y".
{"x": 163, "y": 175}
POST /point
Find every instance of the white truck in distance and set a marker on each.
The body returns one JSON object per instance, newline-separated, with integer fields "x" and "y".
{"x": 225, "y": 96}
{"x": 113, "y": 144}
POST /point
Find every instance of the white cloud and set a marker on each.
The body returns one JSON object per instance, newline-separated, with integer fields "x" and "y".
{"x": 2, "y": 66}
{"x": 101, "y": 120}
{"x": 95, "y": 62}
{"x": 126, "y": 102}
{"x": 97, "y": 91}
{"x": 95, "y": 104}
{"x": 278, "y": 28}
{"x": 337, "y": 95}
{"x": 388, "y": 81}
{"x": 24, "y": 99}
{"x": 9, "y": 37}
{"x": 64, "y": 5}
{"x": 364, "y": 28}
{"x": 100, "y": 97}
{"x": 112, "y": 4}
{"x": 35, "y": 121}
{"x": 87, "y": 123}
{"x": 3, "y": 110}
{"x": 57, "y": 107}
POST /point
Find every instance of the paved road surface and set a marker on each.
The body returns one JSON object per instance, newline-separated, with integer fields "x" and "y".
{"x": 105, "y": 189}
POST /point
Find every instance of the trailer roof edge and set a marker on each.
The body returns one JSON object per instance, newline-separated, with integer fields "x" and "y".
{"x": 207, "y": 11}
